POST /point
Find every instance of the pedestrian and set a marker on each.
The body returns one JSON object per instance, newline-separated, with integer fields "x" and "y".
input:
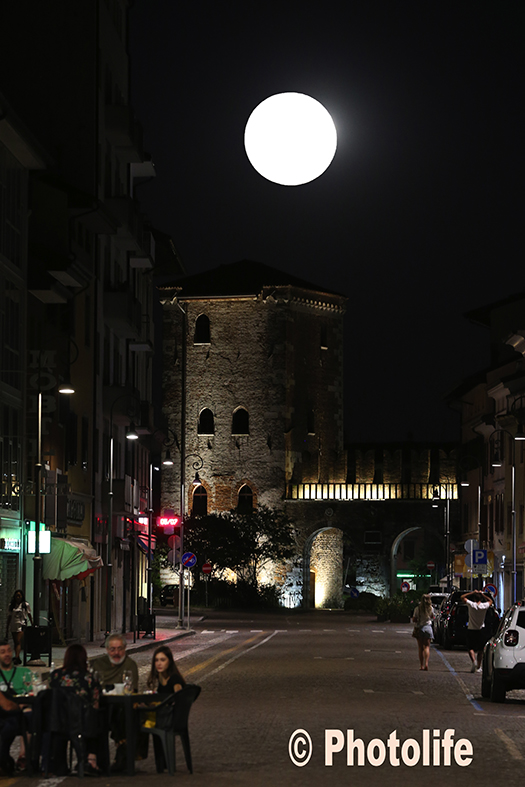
{"x": 422, "y": 619}
{"x": 19, "y": 613}
{"x": 110, "y": 669}
{"x": 477, "y": 633}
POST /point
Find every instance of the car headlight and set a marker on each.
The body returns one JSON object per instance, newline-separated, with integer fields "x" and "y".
{"x": 511, "y": 638}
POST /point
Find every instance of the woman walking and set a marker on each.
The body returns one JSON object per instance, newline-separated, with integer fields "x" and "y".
{"x": 19, "y": 613}
{"x": 422, "y": 618}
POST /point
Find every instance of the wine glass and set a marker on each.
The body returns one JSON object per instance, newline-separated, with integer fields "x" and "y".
{"x": 127, "y": 679}
{"x": 28, "y": 681}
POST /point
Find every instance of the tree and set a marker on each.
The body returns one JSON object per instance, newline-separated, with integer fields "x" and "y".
{"x": 243, "y": 543}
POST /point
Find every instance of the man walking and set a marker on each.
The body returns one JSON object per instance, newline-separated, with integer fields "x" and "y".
{"x": 477, "y": 634}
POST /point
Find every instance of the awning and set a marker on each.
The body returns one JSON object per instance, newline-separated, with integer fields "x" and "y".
{"x": 142, "y": 543}
{"x": 70, "y": 558}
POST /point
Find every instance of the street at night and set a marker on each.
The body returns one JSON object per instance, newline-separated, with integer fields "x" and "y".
{"x": 264, "y": 677}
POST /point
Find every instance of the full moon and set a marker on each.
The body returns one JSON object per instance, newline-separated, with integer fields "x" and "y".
{"x": 290, "y": 138}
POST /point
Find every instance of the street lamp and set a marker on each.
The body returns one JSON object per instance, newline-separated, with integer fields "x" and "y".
{"x": 35, "y": 660}
{"x": 131, "y": 434}
{"x": 497, "y": 460}
{"x": 474, "y": 464}
{"x": 436, "y": 497}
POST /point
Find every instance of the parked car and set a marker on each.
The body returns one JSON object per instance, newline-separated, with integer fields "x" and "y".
{"x": 166, "y": 595}
{"x": 452, "y": 623}
{"x": 503, "y": 666}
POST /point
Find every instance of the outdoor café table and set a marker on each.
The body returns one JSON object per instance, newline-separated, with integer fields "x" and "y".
{"x": 131, "y": 716}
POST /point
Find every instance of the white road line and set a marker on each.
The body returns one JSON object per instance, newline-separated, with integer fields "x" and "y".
{"x": 238, "y": 655}
{"x": 256, "y": 631}
{"x": 232, "y": 632}
{"x": 355, "y": 631}
{"x": 378, "y": 631}
{"x": 51, "y": 782}
{"x": 509, "y": 743}
{"x": 368, "y": 691}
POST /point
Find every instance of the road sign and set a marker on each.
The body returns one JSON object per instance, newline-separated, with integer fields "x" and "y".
{"x": 479, "y": 557}
{"x": 188, "y": 560}
{"x": 491, "y": 589}
{"x": 405, "y": 587}
{"x": 431, "y": 565}
{"x": 354, "y": 593}
{"x": 206, "y": 568}
{"x": 174, "y": 542}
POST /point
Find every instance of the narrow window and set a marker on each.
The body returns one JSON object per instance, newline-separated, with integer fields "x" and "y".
{"x": 245, "y": 501}
{"x": 324, "y": 337}
{"x": 310, "y": 422}
{"x": 240, "y": 422}
{"x": 206, "y": 424}
{"x": 202, "y": 330}
{"x": 200, "y": 501}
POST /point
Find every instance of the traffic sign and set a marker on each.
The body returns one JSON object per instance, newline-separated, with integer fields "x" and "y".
{"x": 479, "y": 557}
{"x": 354, "y": 593}
{"x": 491, "y": 589}
{"x": 188, "y": 560}
{"x": 405, "y": 587}
{"x": 174, "y": 542}
{"x": 431, "y": 565}
{"x": 206, "y": 568}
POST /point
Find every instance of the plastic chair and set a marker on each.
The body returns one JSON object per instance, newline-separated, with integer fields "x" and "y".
{"x": 172, "y": 719}
{"x": 71, "y": 720}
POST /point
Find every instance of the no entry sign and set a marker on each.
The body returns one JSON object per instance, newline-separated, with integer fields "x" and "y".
{"x": 206, "y": 568}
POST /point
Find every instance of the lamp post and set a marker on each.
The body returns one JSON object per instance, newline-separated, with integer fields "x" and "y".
{"x": 436, "y": 497}
{"x": 35, "y": 660}
{"x": 475, "y": 464}
{"x": 131, "y": 434}
{"x": 497, "y": 461}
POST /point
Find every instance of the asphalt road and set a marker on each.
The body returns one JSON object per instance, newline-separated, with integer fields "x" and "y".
{"x": 264, "y": 677}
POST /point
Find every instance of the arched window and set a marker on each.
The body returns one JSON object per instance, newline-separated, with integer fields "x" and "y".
{"x": 200, "y": 501}
{"x": 202, "y": 330}
{"x": 206, "y": 424}
{"x": 241, "y": 421}
{"x": 245, "y": 500}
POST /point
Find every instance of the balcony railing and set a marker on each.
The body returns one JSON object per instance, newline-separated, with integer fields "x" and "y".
{"x": 369, "y": 491}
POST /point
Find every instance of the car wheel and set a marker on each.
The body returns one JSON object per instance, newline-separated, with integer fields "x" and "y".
{"x": 497, "y": 692}
{"x": 485, "y": 684}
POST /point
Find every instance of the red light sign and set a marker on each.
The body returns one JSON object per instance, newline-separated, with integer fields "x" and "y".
{"x": 167, "y": 521}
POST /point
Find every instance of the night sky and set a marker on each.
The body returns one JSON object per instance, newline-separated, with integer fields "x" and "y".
{"x": 418, "y": 217}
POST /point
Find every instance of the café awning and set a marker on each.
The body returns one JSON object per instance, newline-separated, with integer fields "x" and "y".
{"x": 70, "y": 558}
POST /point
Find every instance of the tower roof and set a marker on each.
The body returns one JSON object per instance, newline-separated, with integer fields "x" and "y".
{"x": 237, "y": 279}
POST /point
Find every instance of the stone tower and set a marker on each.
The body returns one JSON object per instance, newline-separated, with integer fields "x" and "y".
{"x": 253, "y": 371}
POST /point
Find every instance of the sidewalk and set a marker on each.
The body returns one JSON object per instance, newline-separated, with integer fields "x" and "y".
{"x": 95, "y": 649}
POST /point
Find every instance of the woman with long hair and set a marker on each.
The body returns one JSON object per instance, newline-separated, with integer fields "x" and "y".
{"x": 422, "y": 618}
{"x": 164, "y": 675}
{"x": 19, "y": 613}
{"x": 74, "y": 675}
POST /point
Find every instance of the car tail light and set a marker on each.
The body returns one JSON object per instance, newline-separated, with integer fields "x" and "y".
{"x": 511, "y": 637}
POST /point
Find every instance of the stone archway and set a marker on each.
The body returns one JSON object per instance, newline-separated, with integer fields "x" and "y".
{"x": 323, "y": 558}
{"x": 393, "y": 556}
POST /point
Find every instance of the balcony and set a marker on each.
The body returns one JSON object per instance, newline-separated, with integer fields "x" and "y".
{"x": 146, "y": 259}
{"x": 123, "y": 314}
{"x": 130, "y": 229}
{"x": 124, "y": 131}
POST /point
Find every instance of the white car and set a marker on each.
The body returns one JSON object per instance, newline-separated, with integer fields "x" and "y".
{"x": 504, "y": 656}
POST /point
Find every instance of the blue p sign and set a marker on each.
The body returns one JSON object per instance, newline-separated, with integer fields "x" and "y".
{"x": 479, "y": 557}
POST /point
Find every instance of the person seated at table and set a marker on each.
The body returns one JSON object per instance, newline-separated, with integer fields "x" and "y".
{"x": 110, "y": 669}
{"x": 74, "y": 675}
{"x": 11, "y": 721}
{"x": 164, "y": 674}
{"x": 13, "y": 680}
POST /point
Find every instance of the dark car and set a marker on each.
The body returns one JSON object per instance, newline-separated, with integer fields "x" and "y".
{"x": 166, "y": 595}
{"x": 452, "y": 623}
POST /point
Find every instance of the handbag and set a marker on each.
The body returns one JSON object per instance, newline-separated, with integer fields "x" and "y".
{"x": 415, "y": 631}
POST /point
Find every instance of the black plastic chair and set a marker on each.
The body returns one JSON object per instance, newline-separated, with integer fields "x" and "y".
{"x": 71, "y": 720}
{"x": 172, "y": 719}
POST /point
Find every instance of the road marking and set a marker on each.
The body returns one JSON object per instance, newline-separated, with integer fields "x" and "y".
{"x": 256, "y": 631}
{"x": 405, "y": 631}
{"x": 368, "y": 691}
{"x": 328, "y": 629}
{"x": 378, "y": 631}
{"x": 232, "y": 632}
{"x": 355, "y": 631}
{"x": 509, "y": 743}
{"x": 468, "y": 695}
{"x": 238, "y": 655}
{"x": 418, "y": 692}
{"x": 45, "y": 782}
{"x": 305, "y": 629}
